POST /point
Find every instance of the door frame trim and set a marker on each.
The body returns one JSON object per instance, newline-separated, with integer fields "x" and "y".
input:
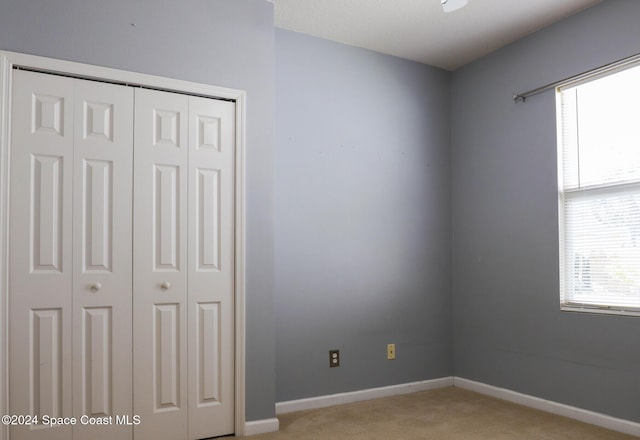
{"x": 9, "y": 60}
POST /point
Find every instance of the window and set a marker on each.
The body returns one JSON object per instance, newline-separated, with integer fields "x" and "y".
{"x": 599, "y": 193}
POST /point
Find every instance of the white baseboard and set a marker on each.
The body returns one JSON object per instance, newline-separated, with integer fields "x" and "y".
{"x": 357, "y": 396}
{"x": 594, "y": 418}
{"x": 602, "y": 420}
{"x": 260, "y": 427}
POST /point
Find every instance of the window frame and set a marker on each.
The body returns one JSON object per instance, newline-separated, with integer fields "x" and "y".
{"x": 567, "y": 305}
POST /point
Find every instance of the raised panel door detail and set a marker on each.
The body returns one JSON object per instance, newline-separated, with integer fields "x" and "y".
{"x": 47, "y": 114}
{"x": 46, "y": 362}
{"x": 70, "y": 284}
{"x": 211, "y": 395}
{"x": 98, "y": 120}
{"x": 102, "y": 253}
{"x": 40, "y": 264}
{"x": 167, "y": 356}
{"x": 97, "y": 361}
{"x": 46, "y": 213}
{"x": 166, "y": 128}
{"x": 160, "y": 263}
{"x": 167, "y": 205}
{"x": 208, "y": 219}
{"x": 98, "y": 215}
{"x": 208, "y": 133}
{"x": 209, "y": 354}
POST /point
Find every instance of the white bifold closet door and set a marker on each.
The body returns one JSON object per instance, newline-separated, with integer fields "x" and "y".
{"x": 183, "y": 266}
{"x": 121, "y": 273}
{"x": 70, "y": 281}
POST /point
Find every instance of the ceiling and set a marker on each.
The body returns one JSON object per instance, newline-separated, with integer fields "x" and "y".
{"x": 419, "y": 30}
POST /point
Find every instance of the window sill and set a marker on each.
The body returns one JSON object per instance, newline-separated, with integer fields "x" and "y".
{"x": 586, "y": 308}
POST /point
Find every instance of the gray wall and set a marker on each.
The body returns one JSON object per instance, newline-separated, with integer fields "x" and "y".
{"x": 224, "y": 42}
{"x": 508, "y": 330}
{"x": 363, "y": 227}
{"x": 363, "y": 197}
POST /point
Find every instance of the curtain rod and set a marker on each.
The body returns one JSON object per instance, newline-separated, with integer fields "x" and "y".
{"x": 588, "y": 74}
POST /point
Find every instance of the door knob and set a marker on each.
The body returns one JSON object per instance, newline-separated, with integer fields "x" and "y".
{"x": 95, "y": 287}
{"x": 165, "y": 285}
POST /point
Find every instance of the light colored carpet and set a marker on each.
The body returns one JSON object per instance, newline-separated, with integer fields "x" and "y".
{"x": 443, "y": 414}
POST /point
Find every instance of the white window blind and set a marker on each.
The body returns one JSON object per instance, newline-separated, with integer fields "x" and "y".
{"x": 599, "y": 203}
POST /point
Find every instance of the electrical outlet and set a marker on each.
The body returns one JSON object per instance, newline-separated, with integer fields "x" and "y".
{"x": 334, "y": 358}
{"x": 391, "y": 351}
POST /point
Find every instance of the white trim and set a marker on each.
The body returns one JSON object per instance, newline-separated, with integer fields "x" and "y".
{"x": 261, "y": 427}
{"x": 357, "y": 396}
{"x": 10, "y": 59}
{"x": 100, "y": 73}
{"x": 240, "y": 228}
{"x": 5, "y": 107}
{"x": 583, "y": 415}
{"x": 586, "y": 308}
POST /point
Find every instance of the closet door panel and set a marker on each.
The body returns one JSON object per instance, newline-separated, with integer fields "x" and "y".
{"x": 211, "y": 268}
{"x": 87, "y": 337}
{"x": 102, "y": 291}
{"x": 160, "y": 264}
{"x": 40, "y": 246}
